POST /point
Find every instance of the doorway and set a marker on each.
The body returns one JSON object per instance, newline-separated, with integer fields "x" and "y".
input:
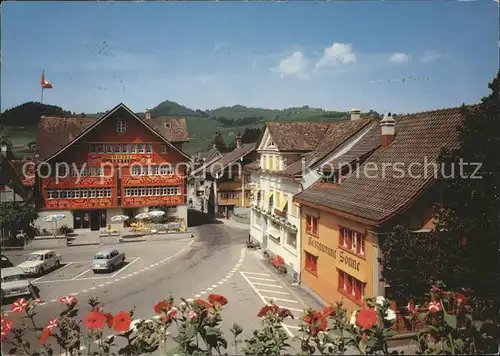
{"x": 81, "y": 219}
{"x": 97, "y": 219}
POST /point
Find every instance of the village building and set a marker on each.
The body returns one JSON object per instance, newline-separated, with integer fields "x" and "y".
{"x": 198, "y": 185}
{"x": 286, "y": 151}
{"x": 360, "y": 194}
{"x": 92, "y": 169}
{"x": 226, "y": 180}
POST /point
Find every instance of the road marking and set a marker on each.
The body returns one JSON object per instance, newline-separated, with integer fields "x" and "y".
{"x": 292, "y": 309}
{"x": 292, "y": 326}
{"x": 101, "y": 285}
{"x": 262, "y": 279}
{"x": 57, "y": 270}
{"x": 214, "y": 285}
{"x": 272, "y": 291}
{"x": 121, "y": 270}
{"x": 267, "y": 285}
{"x": 71, "y": 280}
{"x": 81, "y": 274}
{"x": 204, "y": 292}
{"x": 258, "y": 274}
{"x": 283, "y": 300}
{"x": 209, "y": 288}
{"x": 198, "y": 295}
{"x": 264, "y": 301}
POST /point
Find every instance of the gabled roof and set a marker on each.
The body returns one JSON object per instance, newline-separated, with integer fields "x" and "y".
{"x": 231, "y": 157}
{"x": 376, "y": 197}
{"x": 336, "y": 135}
{"x": 56, "y": 134}
{"x": 296, "y": 135}
{"x": 10, "y": 177}
{"x": 209, "y": 155}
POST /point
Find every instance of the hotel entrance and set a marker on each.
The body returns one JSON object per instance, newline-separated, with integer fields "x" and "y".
{"x": 81, "y": 219}
{"x": 97, "y": 219}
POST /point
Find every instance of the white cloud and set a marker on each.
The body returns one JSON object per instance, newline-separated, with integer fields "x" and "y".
{"x": 337, "y": 53}
{"x": 430, "y": 56}
{"x": 399, "y": 58}
{"x": 297, "y": 64}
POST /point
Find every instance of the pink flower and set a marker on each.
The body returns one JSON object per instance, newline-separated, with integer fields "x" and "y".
{"x": 192, "y": 314}
{"x": 435, "y": 307}
{"x": 68, "y": 300}
{"x": 19, "y": 305}
{"x": 51, "y": 324}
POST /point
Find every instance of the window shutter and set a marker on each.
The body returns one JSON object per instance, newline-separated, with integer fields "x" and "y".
{"x": 341, "y": 236}
{"x": 308, "y": 223}
{"x": 359, "y": 238}
{"x": 341, "y": 280}
{"x": 357, "y": 294}
{"x": 315, "y": 264}
{"x": 349, "y": 284}
{"x": 349, "y": 239}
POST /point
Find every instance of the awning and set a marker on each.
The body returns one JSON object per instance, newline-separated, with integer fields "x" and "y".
{"x": 267, "y": 196}
{"x": 282, "y": 203}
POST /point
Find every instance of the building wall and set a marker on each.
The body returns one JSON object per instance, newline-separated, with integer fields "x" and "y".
{"x": 41, "y": 224}
{"x": 332, "y": 258}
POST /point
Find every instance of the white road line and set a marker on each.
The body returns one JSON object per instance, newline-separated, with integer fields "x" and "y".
{"x": 263, "y": 300}
{"x": 258, "y": 274}
{"x": 214, "y": 285}
{"x": 71, "y": 280}
{"x": 121, "y": 270}
{"x": 101, "y": 285}
{"x": 81, "y": 274}
{"x": 272, "y": 291}
{"x": 204, "y": 292}
{"x": 210, "y": 289}
{"x": 291, "y": 309}
{"x": 283, "y": 300}
{"x": 57, "y": 270}
{"x": 292, "y": 326}
{"x": 262, "y": 279}
{"x": 266, "y": 285}
{"x": 198, "y": 295}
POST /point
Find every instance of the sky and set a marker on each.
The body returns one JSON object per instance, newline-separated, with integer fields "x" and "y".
{"x": 332, "y": 55}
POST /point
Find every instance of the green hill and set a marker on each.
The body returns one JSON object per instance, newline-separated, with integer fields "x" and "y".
{"x": 21, "y": 122}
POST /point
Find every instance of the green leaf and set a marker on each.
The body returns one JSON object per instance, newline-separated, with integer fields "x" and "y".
{"x": 450, "y": 319}
{"x": 362, "y": 347}
{"x": 13, "y": 351}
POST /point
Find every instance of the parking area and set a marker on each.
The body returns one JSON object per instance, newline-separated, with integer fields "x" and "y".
{"x": 75, "y": 275}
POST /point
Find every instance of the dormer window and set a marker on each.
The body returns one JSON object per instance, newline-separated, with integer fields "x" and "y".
{"x": 331, "y": 177}
{"x": 121, "y": 126}
{"x": 271, "y": 143}
{"x": 167, "y": 125}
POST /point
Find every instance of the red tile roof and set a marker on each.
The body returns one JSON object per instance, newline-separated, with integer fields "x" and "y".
{"x": 376, "y": 196}
{"x": 295, "y": 135}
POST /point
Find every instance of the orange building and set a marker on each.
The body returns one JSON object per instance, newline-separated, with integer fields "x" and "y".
{"x": 92, "y": 169}
{"x": 385, "y": 179}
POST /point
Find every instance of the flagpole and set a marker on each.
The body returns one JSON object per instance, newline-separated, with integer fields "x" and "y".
{"x": 41, "y": 100}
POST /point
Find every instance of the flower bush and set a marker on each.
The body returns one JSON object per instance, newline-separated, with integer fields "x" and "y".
{"x": 451, "y": 325}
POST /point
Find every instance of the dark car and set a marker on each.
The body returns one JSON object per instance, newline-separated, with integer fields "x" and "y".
{"x": 6, "y": 262}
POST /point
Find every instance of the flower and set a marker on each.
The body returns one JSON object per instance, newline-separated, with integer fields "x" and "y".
{"x": 37, "y": 301}
{"x": 6, "y": 327}
{"x": 411, "y": 306}
{"x": 45, "y": 335}
{"x": 183, "y": 305}
{"x": 192, "y": 314}
{"x": 52, "y": 324}
{"x": 460, "y": 299}
{"x": 162, "y": 306}
{"x": 217, "y": 299}
{"x": 95, "y": 320}
{"x": 391, "y": 315}
{"x": 380, "y": 300}
{"x": 109, "y": 319}
{"x": 366, "y": 318}
{"x": 316, "y": 321}
{"x": 285, "y": 313}
{"x": 19, "y": 305}
{"x": 329, "y": 311}
{"x": 69, "y": 300}
{"x": 170, "y": 314}
{"x": 203, "y": 304}
{"x": 266, "y": 309}
{"x": 121, "y": 321}
{"x": 435, "y": 307}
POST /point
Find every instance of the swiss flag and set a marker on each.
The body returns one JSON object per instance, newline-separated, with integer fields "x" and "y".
{"x": 44, "y": 83}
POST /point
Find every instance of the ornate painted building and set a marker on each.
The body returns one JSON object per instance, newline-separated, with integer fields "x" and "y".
{"x": 92, "y": 169}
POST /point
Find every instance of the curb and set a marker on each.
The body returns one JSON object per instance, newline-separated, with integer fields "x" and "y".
{"x": 84, "y": 244}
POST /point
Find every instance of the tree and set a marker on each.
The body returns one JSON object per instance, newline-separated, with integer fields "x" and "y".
{"x": 17, "y": 216}
{"x": 219, "y": 142}
{"x": 463, "y": 250}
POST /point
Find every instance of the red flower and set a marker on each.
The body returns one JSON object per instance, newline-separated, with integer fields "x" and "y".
{"x": 6, "y": 327}
{"x": 19, "y": 305}
{"x": 217, "y": 299}
{"x": 203, "y": 304}
{"x": 460, "y": 299}
{"x": 95, "y": 320}
{"x": 45, "y": 335}
{"x": 411, "y": 306}
{"x": 328, "y": 311}
{"x": 435, "y": 289}
{"x": 121, "y": 321}
{"x": 169, "y": 316}
{"x": 284, "y": 313}
{"x": 434, "y": 307}
{"x": 317, "y": 322}
{"x": 52, "y": 324}
{"x": 192, "y": 314}
{"x": 69, "y": 300}
{"x": 162, "y": 306}
{"x": 109, "y": 319}
{"x": 366, "y": 318}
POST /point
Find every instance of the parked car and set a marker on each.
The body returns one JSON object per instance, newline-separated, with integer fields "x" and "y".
{"x": 6, "y": 262}
{"x": 15, "y": 283}
{"x": 39, "y": 262}
{"x": 107, "y": 260}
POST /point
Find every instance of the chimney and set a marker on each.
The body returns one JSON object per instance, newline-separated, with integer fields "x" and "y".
{"x": 238, "y": 141}
{"x": 388, "y": 130}
{"x": 355, "y": 114}
{"x": 148, "y": 115}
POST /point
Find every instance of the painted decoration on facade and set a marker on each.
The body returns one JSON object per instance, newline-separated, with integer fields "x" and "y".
{"x": 78, "y": 181}
{"x": 28, "y": 181}
{"x": 152, "y": 180}
{"x": 117, "y": 159}
{"x": 158, "y": 200}
{"x": 84, "y": 203}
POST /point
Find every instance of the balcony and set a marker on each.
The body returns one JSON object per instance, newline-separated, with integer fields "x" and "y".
{"x": 229, "y": 186}
{"x": 152, "y": 200}
{"x": 153, "y": 180}
{"x": 69, "y": 182}
{"x": 79, "y": 203}
{"x": 228, "y": 201}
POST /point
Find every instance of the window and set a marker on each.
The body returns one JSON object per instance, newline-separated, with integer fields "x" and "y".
{"x": 133, "y": 148}
{"x": 100, "y": 148}
{"x": 121, "y": 126}
{"x": 136, "y": 170}
{"x": 352, "y": 240}
{"x": 165, "y": 169}
{"x": 124, "y": 148}
{"x": 256, "y": 219}
{"x": 84, "y": 193}
{"x": 76, "y": 193}
{"x": 350, "y": 286}
{"x": 291, "y": 239}
{"x": 163, "y": 148}
{"x": 92, "y": 193}
{"x": 92, "y": 149}
{"x": 117, "y": 148}
{"x": 311, "y": 225}
{"x": 295, "y": 210}
{"x": 149, "y": 148}
{"x": 109, "y": 149}
{"x": 311, "y": 263}
{"x": 50, "y": 194}
{"x": 141, "y": 148}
